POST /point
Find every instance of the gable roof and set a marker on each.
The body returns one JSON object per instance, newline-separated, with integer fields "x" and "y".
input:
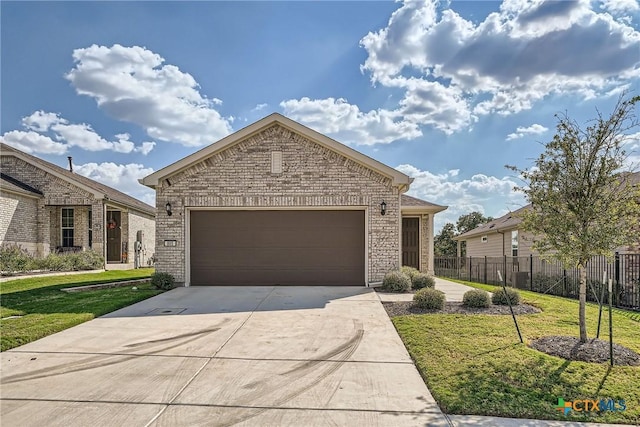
{"x": 511, "y": 221}
{"x": 409, "y": 203}
{"x": 505, "y": 222}
{"x": 398, "y": 178}
{"x": 11, "y": 184}
{"x": 100, "y": 191}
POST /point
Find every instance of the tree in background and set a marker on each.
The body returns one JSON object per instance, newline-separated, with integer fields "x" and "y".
{"x": 444, "y": 245}
{"x": 583, "y": 203}
{"x": 470, "y": 221}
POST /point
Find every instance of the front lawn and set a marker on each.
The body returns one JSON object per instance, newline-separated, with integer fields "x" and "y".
{"x": 475, "y": 364}
{"x": 44, "y": 309}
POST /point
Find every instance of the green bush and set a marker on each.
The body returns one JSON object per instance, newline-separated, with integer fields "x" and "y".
{"x": 164, "y": 281}
{"x": 14, "y": 259}
{"x": 86, "y": 260}
{"x": 422, "y": 280}
{"x": 476, "y": 298}
{"x": 396, "y": 281}
{"x": 409, "y": 271}
{"x": 500, "y": 298}
{"x": 58, "y": 262}
{"x": 429, "y": 298}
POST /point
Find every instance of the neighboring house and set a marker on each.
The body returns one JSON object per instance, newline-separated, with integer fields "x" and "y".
{"x": 498, "y": 237}
{"x": 46, "y": 208}
{"x": 504, "y": 236}
{"x": 279, "y": 203}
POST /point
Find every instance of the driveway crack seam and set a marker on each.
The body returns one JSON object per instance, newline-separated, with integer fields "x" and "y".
{"x": 209, "y": 359}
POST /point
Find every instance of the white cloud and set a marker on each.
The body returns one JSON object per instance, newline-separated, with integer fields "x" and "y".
{"x": 486, "y": 194}
{"x": 453, "y": 71}
{"x": 132, "y": 85}
{"x": 504, "y": 64}
{"x": 70, "y": 135}
{"x": 617, "y": 7}
{"x": 259, "y": 107}
{"x": 521, "y": 132}
{"x": 124, "y": 177}
{"x": 33, "y": 142}
{"x": 347, "y": 123}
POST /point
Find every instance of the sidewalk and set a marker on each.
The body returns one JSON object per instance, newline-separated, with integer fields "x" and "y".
{"x": 453, "y": 292}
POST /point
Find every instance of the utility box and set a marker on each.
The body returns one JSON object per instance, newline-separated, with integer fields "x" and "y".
{"x": 520, "y": 279}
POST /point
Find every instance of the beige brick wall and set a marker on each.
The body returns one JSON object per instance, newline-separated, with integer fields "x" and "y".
{"x": 19, "y": 221}
{"x": 147, "y": 225}
{"x": 312, "y": 176}
{"x": 57, "y": 193}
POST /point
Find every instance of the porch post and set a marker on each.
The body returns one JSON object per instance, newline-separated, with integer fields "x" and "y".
{"x": 430, "y": 267}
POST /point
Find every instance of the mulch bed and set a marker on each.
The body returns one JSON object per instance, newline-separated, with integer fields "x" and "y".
{"x": 403, "y": 308}
{"x": 593, "y": 351}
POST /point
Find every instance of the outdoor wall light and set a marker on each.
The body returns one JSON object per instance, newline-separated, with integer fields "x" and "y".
{"x": 383, "y": 208}
{"x": 168, "y": 208}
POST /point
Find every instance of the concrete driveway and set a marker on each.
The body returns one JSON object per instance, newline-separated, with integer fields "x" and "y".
{"x": 222, "y": 356}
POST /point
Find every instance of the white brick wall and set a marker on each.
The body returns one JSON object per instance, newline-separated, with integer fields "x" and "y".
{"x": 312, "y": 176}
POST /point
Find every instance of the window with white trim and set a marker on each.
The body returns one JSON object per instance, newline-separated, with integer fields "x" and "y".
{"x": 67, "y": 227}
{"x": 514, "y": 243}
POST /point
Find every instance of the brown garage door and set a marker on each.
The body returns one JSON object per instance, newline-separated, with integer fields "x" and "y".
{"x": 277, "y": 247}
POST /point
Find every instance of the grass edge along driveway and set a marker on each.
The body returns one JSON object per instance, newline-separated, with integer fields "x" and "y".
{"x": 475, "y": 364}
{"x": 44, "y": 309}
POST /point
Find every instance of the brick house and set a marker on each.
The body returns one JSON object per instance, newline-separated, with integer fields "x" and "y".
{"x": 279, "y": 203}
{"x": 46, "y": 208}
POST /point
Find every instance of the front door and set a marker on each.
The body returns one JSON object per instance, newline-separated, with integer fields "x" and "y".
{"x": 114, "y": 233}
{"x": 411, "y": 242}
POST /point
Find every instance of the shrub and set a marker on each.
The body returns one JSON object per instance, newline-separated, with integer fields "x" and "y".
{"x": 422, "y": 280}
{"x": 476, "y": 298}
{"x": 14, "y": 259}
{"x": 409, "y": 271}
{"x": 396, "y": 281}
{"x": 58, "y": 262}
{"x": 500, "y": 297}
{"x": 429, "y": 298}
{"x": 164, "y": 281}
{"x": 86, "y": 260}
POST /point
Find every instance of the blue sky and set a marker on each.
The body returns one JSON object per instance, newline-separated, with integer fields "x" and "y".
{"x": 447, "y": 92}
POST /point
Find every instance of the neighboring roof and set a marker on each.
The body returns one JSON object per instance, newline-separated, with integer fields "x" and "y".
{"x": 409, "y": 203}
{"x": 11, "y": 184}
{"x": 510, "y": 221}
{"x": 505, "y": 222}
{"x": 100, "y": 191}
{"x": 397, "y": 177}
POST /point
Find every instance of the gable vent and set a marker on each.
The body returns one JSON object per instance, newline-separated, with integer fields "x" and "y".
{"x": 276, "y": 162}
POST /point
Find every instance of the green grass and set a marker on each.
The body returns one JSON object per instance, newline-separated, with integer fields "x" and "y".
{"x": 45, "y": 309}
{"x": 475, "y": 364}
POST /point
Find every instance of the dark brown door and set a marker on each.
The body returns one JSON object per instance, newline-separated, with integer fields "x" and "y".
{"x": 114, "y": 234}
{"x": 277, "y": 247}
{"x": 411, "y": 242}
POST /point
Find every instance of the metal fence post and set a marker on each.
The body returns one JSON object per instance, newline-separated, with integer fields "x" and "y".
{"x": 485, "y": 270}
{"x": 616, "y": 275}
{"x": 470, "y": 269}
{"x": 530, "y": 272}
{"x": 504, "y": 268}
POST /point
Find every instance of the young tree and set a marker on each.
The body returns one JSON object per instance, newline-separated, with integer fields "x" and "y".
{"x": 583, "y": 203}
{"x": 443, "y": 243}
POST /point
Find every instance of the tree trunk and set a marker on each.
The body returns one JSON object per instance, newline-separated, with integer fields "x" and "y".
{"x": 583, "y": 303}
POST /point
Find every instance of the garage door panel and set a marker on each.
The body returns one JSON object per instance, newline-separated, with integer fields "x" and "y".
{"x": 277, "y": 247}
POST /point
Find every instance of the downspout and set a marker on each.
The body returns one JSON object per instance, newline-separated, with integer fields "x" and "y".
{"x": 501, "y": 233}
